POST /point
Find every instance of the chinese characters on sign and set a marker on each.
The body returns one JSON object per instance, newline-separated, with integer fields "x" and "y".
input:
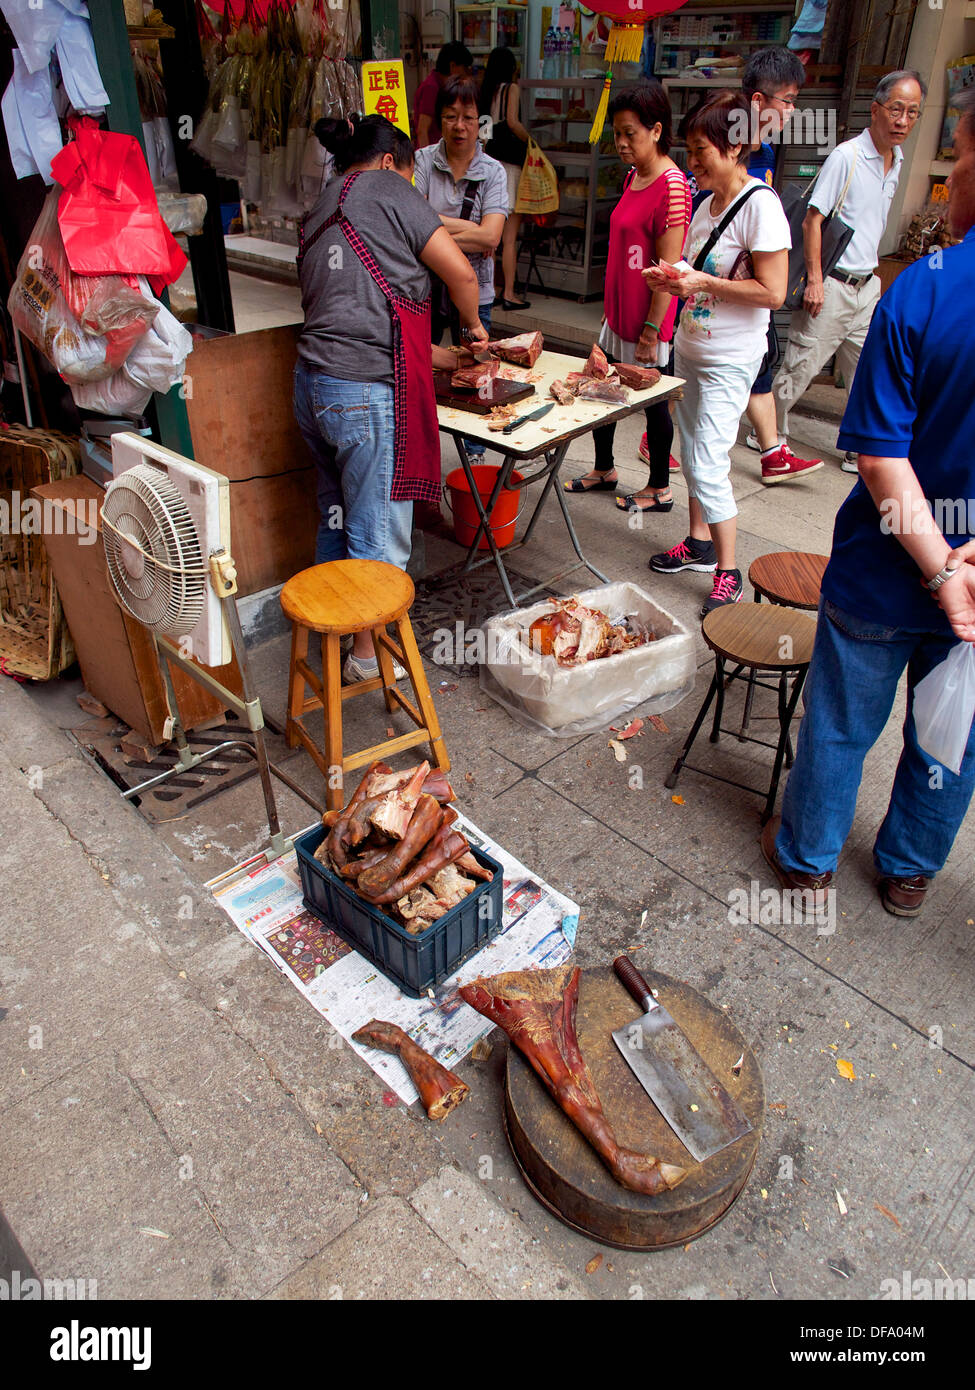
{"x": 384, "y": 87}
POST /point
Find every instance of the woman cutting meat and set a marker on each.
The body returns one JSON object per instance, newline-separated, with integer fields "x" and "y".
{"x": 737, "y": 267}
{"x": 363, "y": 383}
{"x": 649, "y": 223}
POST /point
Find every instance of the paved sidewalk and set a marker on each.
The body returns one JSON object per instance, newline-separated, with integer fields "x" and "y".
{"x": 175, "y": 1120}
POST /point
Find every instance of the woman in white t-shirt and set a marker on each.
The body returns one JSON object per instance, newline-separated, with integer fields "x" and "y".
{"x": 721, "y": 337}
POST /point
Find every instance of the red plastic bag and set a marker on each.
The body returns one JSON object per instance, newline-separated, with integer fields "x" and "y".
{"x": 108, "y": 215}
{"x": 85, "y": 325}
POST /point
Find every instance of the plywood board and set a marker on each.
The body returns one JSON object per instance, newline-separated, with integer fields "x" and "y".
{"x": 243, "y": 426}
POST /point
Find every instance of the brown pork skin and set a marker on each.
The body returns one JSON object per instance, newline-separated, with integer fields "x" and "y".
{"x": 537, "y": 1009}
{"x": 440, "y": 1090}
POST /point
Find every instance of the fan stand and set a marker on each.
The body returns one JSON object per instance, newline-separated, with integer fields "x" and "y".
{"x": 223, "y": 576}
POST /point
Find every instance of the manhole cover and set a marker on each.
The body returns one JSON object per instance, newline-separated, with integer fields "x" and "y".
{"x": 451, "y": 608}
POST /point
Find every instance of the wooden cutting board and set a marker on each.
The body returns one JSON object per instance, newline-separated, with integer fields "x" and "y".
{"x": 501, "y": 393}
{"x": 565, "y": 1173}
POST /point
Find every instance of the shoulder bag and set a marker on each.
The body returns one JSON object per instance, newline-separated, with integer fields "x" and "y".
{"x": 836, "y": 235}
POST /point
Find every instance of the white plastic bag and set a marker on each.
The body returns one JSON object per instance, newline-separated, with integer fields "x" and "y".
{"x": 944, "y": 706}
{"x": 35, "y": 27}
{"x": 79, "y": 66}
{"x": 35, "y": 99}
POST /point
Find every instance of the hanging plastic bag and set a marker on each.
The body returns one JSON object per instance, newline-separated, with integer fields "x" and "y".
{"x": 108, "y": 214}
{"x": 17, "y": 142}
{"x": 85, "y": 325}
{"x": 944, "y": 706}
{"x": 35, "y": 27}
{"x": 156, "y": 363}
{"x": 34, "y": 98}
{"x": 79, "y": 66}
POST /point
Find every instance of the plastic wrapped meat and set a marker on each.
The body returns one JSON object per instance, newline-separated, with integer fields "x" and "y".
{"x": 640, "y": 378}
{"x": 597, "y": 365}
{"x": 473, "y": 378}
{"x": 606, "y": 391}
{"x": 523, "y": 350}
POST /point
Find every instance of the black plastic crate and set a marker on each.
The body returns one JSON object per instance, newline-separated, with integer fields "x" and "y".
{"x": 415, "y": 963}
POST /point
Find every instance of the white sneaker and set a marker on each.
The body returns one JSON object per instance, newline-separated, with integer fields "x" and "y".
{"x": 751, "y": 440}
{"x": 850, "y": 462}
{"x": 356, "y": 669}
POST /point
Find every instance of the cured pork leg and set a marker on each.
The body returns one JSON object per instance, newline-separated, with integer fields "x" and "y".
{"x": 391, "y": 813}
{"x": 440, "y": 1090}
{"x": 437, "y": 855}
{"x": 640, "y": 378}
{"x": 524, "y": 349}
{"x": 423, "y": 825}
{"x": 537, "y": 1009}
{"x": 597, "y": 364}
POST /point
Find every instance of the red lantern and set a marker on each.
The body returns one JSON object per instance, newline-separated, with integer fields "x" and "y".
{"x": 625, "y": 41}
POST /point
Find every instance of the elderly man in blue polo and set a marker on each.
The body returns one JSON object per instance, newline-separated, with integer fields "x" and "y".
{"x": 899, "y": 591}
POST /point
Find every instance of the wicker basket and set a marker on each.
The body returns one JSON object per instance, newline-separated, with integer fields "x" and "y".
{"x": 34, "y": 637}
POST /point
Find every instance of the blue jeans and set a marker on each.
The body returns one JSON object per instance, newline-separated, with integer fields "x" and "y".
{"x": 849, "y": 694}
{"x": 348, "y": 426}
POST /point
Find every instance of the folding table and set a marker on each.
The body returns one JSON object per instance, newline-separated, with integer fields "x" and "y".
{"x": 546, "y": 440}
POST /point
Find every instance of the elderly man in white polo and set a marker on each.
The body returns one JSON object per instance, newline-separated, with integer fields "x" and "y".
{"x": 836, "y": 312}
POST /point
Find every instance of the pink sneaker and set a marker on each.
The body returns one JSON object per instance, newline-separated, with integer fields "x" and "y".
{"x": 782, "y": 465}
{"x": 645, "y": 455}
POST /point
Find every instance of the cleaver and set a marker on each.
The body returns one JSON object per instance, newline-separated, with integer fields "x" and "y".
{"x": 699, "y": 1110}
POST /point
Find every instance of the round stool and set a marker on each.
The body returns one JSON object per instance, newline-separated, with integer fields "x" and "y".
{"x": 790, "y": 577}
{"x": 335, "y": 600}
{"x": 755, "y": 637}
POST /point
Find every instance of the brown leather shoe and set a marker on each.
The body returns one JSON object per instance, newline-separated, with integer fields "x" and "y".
{"x": 904, "y": 897}
{"x": 815, "y": 885}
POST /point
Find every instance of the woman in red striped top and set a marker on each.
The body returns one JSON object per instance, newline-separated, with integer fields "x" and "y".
{"x": 648, "y": 224}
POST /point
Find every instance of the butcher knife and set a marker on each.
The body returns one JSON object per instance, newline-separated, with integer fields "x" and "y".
{"x": 697, "y": 1108}
{"x": 523, "y": 419}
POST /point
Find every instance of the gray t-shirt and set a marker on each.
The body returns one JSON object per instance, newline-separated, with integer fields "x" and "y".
{"x": 348, "y": 330}
{"x": 490, "y": 184}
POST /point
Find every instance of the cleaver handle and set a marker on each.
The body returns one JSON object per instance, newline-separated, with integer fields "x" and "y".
{"x": 632, "y": 980}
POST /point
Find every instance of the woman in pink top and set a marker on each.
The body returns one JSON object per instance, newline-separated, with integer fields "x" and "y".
{"x": 649, "y": 223}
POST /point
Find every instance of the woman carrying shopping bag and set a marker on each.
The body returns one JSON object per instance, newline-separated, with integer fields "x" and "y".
{"x": 649, "y": 223}
{"x": 735, "y": 272}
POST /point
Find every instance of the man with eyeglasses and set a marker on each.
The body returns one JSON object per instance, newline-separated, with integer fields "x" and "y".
{"x": 837, "y": 310}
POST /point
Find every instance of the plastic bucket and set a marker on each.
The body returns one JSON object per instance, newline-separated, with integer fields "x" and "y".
{"x": 461, "y": 503}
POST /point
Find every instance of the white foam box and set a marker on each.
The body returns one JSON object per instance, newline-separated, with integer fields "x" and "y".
{"x": 569, "y": 700}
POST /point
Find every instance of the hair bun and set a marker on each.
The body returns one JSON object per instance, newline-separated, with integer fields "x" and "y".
{"x": 333, "y": 134}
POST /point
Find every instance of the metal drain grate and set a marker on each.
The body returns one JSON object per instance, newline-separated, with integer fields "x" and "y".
{"x": 450, "y": 598}
{"x": 100, "y": 740}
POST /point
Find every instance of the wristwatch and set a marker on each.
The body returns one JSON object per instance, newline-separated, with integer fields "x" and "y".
{"x": 941, "y": 577}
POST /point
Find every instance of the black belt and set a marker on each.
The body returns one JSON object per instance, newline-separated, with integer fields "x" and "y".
{"x": 857, "y": 281}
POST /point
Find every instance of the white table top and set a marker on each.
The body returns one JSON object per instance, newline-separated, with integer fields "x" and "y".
{"x": 562, "y": 422}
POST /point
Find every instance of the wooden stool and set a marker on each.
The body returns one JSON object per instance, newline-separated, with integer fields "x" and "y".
{"x": 336, "y": 599}
{"x": 789, "y": 577}
{"x": 756, "y": 637}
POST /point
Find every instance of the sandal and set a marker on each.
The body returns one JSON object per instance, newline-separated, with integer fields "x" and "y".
{"x": 629, "y": 503}
{"x": 577, "y": 485}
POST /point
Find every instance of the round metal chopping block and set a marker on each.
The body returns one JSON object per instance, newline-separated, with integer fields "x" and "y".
{"x": 564, "y": 1171}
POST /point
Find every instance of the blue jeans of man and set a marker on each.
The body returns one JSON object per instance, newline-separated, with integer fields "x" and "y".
{"x": 849, "y": 694}
{"x": 348, "y": 426}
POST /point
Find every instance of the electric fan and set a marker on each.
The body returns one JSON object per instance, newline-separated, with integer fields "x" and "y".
{"x": 166, "y": 532}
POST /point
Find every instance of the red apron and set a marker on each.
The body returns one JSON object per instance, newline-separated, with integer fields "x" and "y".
{"x": 416, "y": 438}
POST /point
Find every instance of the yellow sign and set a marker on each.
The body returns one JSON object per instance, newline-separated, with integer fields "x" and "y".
{"x": 384, "y": 88}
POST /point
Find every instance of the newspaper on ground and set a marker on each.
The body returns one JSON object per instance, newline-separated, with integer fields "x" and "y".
{"x": 264, "y": 901}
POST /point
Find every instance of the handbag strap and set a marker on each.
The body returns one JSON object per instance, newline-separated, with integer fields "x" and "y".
{"x": 470, "y": 194}
{"x": 729, "y": 216}
{"x": 846, "y": 187}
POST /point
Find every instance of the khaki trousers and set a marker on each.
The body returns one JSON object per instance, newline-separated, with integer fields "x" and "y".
{"x": 840, "y": 328}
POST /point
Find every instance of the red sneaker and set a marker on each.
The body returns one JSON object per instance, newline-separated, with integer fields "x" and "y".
{"x": 645, "y": 455}
{"x": 782, "y": 465}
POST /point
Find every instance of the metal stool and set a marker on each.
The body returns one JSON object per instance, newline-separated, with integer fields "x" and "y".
{"x": 755, "y": 637}
{"x": 335, "y": 599}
